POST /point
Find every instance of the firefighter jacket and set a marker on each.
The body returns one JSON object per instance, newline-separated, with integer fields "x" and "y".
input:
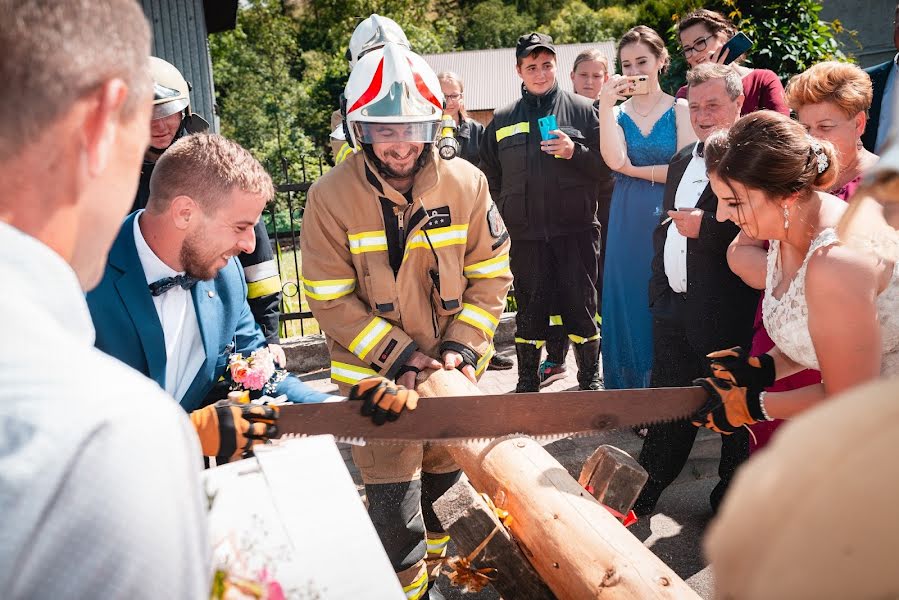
{"x": 259, "y": 267}
{"x": 386, "y": 274}
{"x": 541, "y": 196}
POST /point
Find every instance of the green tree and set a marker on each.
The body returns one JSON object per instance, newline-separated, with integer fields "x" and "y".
{"x": 577, "y": 22}
{"x": 492, "y": 24}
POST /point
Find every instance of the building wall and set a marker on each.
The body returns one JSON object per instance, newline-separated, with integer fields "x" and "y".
{"x": 179, "y": 36}
{"x": 873, "y": 22}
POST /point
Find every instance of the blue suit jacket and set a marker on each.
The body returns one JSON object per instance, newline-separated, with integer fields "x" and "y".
{"x": 878, "y": 74}
{"x": 128, "y": 326}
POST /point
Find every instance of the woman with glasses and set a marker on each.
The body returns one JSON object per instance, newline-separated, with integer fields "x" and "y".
{"x": 703, "y": 34}
{"x": 468, "y": 131}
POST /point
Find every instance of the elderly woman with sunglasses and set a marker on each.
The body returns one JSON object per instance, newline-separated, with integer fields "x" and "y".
{"x": 703, "y": 34}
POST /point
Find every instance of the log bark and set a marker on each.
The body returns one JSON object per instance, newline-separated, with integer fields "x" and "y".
{"x": 614, "y": 478}
{"x": 579, "y": 549}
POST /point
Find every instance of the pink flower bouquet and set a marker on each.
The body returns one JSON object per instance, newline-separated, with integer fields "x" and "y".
{"x": 255, "y": 372}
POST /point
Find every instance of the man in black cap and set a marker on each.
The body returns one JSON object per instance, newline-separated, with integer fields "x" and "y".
{"x": 546, "y": 187}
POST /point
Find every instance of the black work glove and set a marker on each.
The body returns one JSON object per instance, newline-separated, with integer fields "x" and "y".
{"x": 229, "y": 430}
{"x": 729, "y": 407}
{"x": 383, "y": 400}
{"x": 735, "y": 365}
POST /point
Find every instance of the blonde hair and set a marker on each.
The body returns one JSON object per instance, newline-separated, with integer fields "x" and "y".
{"x": 206, "y": 167}
{"x": 56, "y": 51}
{"x": 589, "y": 55}
{"x": 845, "y": 85}
{"x": 453, "y": 77}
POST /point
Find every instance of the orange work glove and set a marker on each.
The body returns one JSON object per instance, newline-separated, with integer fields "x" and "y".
{"x": 229, "y": 430}
{"x": 736, "y": 366}
{"x": 729, "y": 407}
{"x": 383, "y": 400}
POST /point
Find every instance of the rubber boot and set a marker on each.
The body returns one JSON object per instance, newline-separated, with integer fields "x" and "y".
{"x": 587, "y": 357}
{"x": 528, "y": 366}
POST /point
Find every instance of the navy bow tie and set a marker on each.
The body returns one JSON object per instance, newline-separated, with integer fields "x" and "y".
{"x": 166, "y": 283}
{"x": 700, "y": 149}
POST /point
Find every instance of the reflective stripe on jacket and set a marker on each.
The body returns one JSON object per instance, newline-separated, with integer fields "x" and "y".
{"x": 375, "y": 319}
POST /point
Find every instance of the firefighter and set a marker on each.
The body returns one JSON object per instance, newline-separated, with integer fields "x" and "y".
{"x": 173, "y": 119}
{"x": 371, "y": 34}
{"x": 406, "y": 267}
{"x": 547, "y": 191}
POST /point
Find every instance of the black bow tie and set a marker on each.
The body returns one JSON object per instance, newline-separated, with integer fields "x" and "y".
{"x": 700, "y": 148}
{"x": 166, "y": 283}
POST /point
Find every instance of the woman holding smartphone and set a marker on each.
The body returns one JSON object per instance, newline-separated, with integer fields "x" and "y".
{"x": 637, "y": 139}
{"x": 703, "y": 36}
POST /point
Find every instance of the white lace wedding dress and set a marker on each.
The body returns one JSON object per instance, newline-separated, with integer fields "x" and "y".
{"x": 786, "y": 318}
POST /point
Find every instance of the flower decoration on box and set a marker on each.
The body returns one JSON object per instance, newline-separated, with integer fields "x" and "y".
{"x": 255, "y": 372}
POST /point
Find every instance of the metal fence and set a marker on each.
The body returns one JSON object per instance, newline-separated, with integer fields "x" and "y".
{"x": 284, "y": 220}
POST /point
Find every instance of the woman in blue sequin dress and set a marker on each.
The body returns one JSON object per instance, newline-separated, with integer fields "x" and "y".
{"x": 637, "y": 139}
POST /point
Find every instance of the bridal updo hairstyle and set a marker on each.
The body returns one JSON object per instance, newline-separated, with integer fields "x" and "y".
{"x": 768, "y": 151}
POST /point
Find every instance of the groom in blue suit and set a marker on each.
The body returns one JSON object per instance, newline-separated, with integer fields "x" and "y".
{"x": 173, "y": 300}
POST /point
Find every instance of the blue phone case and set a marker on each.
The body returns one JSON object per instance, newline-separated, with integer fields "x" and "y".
{"x": 547, "y": 124}
{"x": 737, "y": 46}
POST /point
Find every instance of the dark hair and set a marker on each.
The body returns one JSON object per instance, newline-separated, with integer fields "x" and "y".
{"x": 641, "y": 34}
{"x": 715, "y": 22}
{"x": 768, "y": 151}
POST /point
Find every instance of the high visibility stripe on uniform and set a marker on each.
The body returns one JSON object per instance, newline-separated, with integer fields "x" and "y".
{"x": 367, "y": 241}
{"x": 439, "y": 237}
{"x": 479, "y": 318}
{"x": 493, "y": 267}
{"x": 598, "y": 318}
{"x": 351, "y": 374}
{"x": 263, "y": 287}
{"x": 328, "y": 289}
{"x": 504, "y": 132}
{"x": 369, "y": 337}
{"x": 484, "y": 361}
{"x": 555, "y": 320}
{"x": 263, "y": 270}
{"x": 436, "y": 546}
{"x": 582, "y": 340}
{"x": 417, "y": 588}
{"x": 538, "y": 343}
{"x": 343, "y": 153}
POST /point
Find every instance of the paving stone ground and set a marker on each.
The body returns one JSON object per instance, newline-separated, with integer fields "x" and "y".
{"x": 674, "y": 533}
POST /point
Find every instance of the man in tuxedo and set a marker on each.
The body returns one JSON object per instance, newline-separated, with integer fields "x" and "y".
{"x": 698, "y": 304}
{"x": 883, "y": 105}
{"x": 173, "y": 300}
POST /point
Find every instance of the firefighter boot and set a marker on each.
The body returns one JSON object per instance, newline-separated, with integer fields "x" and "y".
{"x": 587, "y": 357}
{"x": 528, "y": 365}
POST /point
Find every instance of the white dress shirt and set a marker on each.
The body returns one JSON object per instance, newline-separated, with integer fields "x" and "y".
{"x": 691, "y": 186}
{"x": 184, "y": 351}
{"x": 100, "y": 491}
{"x": 887, "y": 108}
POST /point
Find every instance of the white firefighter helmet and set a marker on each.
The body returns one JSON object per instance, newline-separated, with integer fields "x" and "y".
{"x": 373, "y": 33}
{"x": 393, "y": 95}
{"x": 170, "y": 89}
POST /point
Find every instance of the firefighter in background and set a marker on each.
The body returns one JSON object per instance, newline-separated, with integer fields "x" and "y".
{"x": 172, "y": 119}
{"x": 371, "y": 34}
{"x": 547, "y": 193}
{"x": 406, "y": 267}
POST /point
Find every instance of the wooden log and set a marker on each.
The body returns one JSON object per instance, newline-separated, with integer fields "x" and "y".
{"x": 470, "y": 521}
{"x": 614, "y": 478}
{"x": 579, "y": 549}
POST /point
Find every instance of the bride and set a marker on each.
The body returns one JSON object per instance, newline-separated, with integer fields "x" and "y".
{"x": 828, "y": 305}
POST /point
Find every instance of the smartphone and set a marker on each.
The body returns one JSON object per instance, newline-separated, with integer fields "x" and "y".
{"x": 547, "y": 124}
{"x": 639, "y": 85}
{"x": 736, "y": 46}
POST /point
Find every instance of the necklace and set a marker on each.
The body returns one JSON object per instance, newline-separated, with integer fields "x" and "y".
{"x": 652, "y": 108}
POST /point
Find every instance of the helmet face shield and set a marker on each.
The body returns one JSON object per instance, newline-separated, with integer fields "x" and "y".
{"x": 386, "y": 133}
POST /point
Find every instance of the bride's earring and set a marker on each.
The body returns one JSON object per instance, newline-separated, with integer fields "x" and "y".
{"x": 786, "y": 217}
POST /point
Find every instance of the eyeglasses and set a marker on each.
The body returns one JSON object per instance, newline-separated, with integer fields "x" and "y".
{"x": 699, "y": 46}
{"x": 452, "y": 97}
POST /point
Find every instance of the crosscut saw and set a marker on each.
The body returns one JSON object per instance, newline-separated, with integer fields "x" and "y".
{"x": 459, "y": 419}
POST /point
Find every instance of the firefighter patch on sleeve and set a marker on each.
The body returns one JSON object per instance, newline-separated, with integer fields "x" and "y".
{"x": 495, "y": 222}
